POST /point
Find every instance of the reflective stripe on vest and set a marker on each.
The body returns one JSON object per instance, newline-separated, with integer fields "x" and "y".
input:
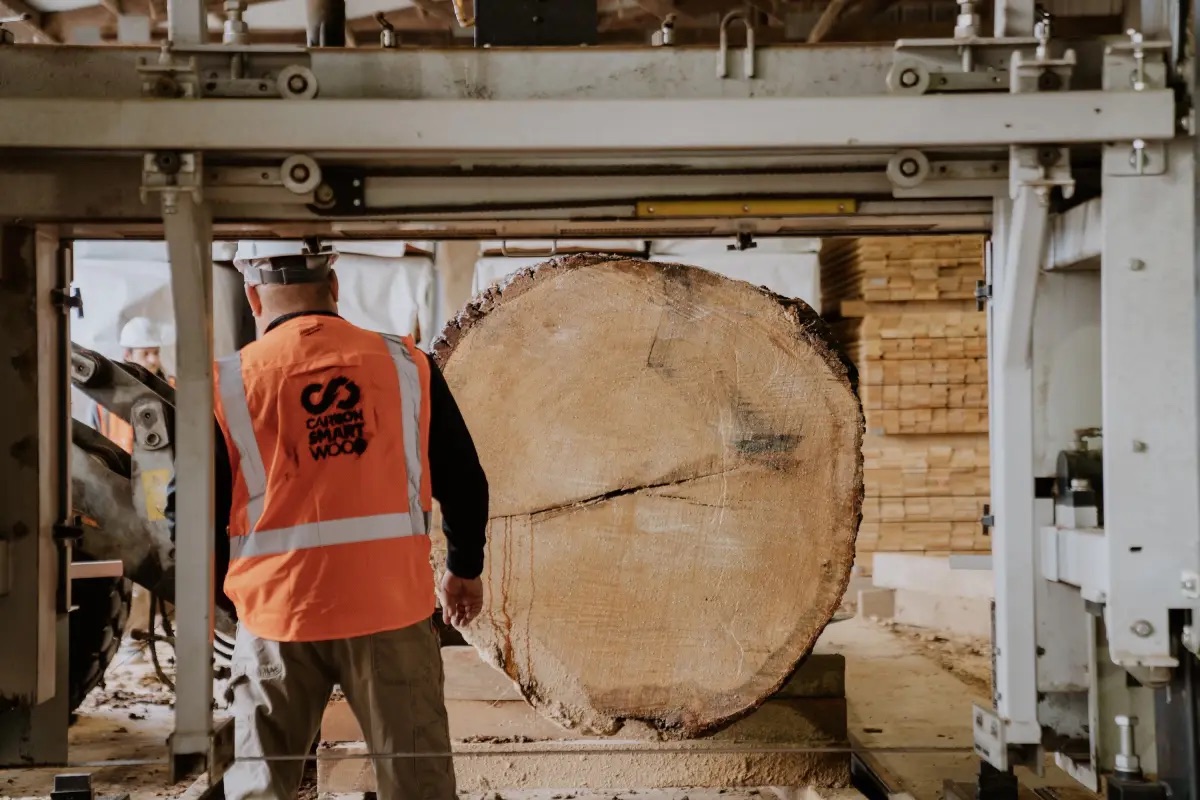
{"x": 241, "y": 431}
{"x": 411, "y": 393}
{"x": 330, "y": 532}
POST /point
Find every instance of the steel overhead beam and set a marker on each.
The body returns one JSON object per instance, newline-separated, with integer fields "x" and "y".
{"x": 468, "y": 128}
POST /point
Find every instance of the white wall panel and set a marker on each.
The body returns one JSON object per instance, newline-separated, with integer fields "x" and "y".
{"x": 491, "y": 270}
{"x": 788, "y": 274}
{"x": 122, "y": 280}
{"x": 789, "y": 267}
{"x": 389, "y": 295}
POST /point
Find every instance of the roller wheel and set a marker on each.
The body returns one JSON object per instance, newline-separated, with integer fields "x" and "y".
{"x": 97, "y": 624}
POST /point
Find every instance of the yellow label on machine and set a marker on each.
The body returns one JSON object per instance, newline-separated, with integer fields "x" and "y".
{"x": 806, "y": 207}
{"x": 154, "y": 490}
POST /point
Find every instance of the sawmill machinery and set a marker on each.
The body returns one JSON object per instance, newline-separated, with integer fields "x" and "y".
{"x": 118, "y": 500}
{"x": 1078, "y": 158}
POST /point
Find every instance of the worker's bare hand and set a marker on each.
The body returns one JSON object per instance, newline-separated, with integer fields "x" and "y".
{"x": 462, "y": 599}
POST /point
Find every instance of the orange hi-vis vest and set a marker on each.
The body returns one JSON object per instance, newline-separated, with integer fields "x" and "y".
{"x": 328, "y": 430}
{"x": 115, "y": 429}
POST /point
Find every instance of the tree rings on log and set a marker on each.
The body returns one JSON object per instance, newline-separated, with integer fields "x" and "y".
{"x": 676, "y": 481}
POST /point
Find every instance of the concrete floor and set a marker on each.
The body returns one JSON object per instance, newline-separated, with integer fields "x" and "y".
{"x": 905, "y": 689}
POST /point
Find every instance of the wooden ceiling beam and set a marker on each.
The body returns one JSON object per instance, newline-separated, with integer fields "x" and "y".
{"x": 443, "y": 12}
{"x": 30, "y": 29}
{"x": 828, "y": 20}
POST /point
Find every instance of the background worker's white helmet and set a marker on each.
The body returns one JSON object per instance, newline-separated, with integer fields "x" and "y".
{"x": 282, "y": 262}
{"x": 140, "y": 333}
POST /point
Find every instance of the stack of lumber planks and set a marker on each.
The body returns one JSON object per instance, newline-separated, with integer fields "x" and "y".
{"x": 903, "y": 309}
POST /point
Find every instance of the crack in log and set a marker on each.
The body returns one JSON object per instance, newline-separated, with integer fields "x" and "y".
{"x": 575, "y": 505}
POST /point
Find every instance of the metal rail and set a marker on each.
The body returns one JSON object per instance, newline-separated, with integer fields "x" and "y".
{"x": 537, "y": 129}
{"x": 516, "y": 752}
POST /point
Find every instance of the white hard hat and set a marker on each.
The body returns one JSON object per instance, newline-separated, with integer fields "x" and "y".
{"x": 254, "y": 250}
{"x": 282, "y": 262}
{"x": 224, "y": 251}
{"x": 140, "y": 333}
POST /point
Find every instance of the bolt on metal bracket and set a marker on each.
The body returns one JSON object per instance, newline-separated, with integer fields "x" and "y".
{"x": 914, "y": 175}
{"x": 167, "y": 173}
{"x": 1136, "y": 65}
{"x": 963, "y": 63}
{"x": 168, "y": 78}
{"x": 149, "y": 419}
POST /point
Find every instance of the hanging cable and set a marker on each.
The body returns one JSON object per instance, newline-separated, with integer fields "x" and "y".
{"x": 157, "y": 605}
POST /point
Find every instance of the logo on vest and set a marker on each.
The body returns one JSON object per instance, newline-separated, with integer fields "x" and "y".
{"x": 338, "y": 433}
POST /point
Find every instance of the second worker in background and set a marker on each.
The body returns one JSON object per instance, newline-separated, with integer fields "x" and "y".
{"x": 339, "y": 439}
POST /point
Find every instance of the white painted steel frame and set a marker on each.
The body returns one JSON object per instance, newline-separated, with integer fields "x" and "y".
{"x": 1021, "y": 233}
{"x": 1149, "y": 324}
{"x": 539, "y": 73}
{"x": 536, "y": 129}
{"x": 1077, "y": 557}
{"x": 536, "y": 132}
{"x": 1066, "y": 377}
{"x": 34, "y": 498}
{"x": 189, "y": 246}
{"x": 187, "y": 22}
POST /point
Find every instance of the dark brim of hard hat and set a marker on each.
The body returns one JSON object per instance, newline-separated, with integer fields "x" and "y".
{"x": 288, "y": 270}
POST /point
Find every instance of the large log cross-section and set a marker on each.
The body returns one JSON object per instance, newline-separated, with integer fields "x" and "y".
{"x": 674, "y": 460}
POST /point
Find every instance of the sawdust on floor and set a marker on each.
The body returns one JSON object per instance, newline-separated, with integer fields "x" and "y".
{"x": 969, "y": 659}
{"x": 127, "y": 718}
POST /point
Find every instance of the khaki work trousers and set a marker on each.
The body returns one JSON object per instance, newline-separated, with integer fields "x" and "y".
{"x": 393, "y": 682}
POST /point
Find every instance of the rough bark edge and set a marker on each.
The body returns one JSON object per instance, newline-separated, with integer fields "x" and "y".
{"x": 809, "y": 326}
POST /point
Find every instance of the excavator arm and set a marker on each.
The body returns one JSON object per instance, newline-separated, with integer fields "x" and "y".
{"x": 122, "y": 497}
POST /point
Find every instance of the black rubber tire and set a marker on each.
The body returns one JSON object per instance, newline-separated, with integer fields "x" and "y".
{"x": 97, "y": 625}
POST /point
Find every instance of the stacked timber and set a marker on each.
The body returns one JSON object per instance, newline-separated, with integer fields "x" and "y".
{"x": 903, "y": 310}
{"x": 675, "y": 468}
{"x": 883, "y": 269}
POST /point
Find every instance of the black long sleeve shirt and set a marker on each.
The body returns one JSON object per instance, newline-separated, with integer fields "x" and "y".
{"x": 456, "y": 478}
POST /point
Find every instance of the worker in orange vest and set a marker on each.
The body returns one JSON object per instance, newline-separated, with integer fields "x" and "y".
{"x": 336, "y": 442}
{"x": 142, "y": 341}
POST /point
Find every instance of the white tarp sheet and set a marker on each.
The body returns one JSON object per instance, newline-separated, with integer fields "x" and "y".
{"x": 789, "y": 267}
{"x": 123, "y": 280}
{"x": 491, "y": 270}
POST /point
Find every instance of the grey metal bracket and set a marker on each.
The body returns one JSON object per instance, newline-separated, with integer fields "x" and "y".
{"x": 1041, "y": 73}
{"x": 1136, "y": 158}
{"x": 168, "y": 78}
{"x": 153, "y": 464}
{"x": 245, "y": 71}
{"x": 1046, "y": 167}
{"x": 968, "y": 64}
{"x": 1135, "y": 66}
{"x": 1042, "y": 169}
{"x": 296, "y": 178}
{"x": 914, "y": 175}
{"x": 167, "y": 173}
{"x": 988, "y": 733}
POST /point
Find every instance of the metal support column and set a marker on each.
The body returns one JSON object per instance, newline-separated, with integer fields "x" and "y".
{"x": 188, "y": 226}
{"x": 1014, "y": 18}
{"x": 34, "y": 500}
{"x": 187, "y": 22}
{"x": 233, "y": 324}
{"x": 1149, "y": 317}
{"x": 1010, "y": 331}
